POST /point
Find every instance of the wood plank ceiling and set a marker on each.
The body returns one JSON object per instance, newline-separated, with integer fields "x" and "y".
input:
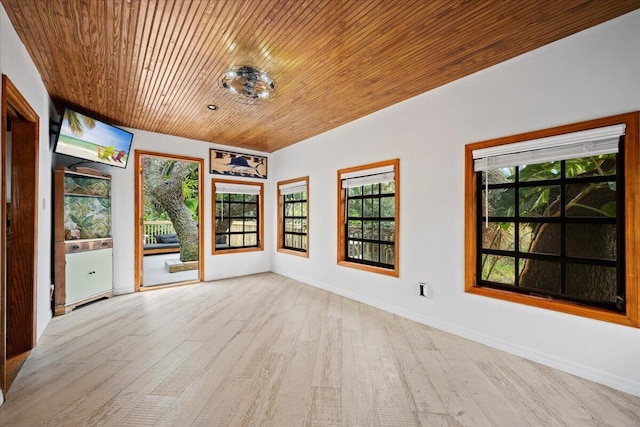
{"x": 156, "y": 64}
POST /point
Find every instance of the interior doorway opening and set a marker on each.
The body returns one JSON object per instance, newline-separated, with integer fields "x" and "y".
{"x": 169, "y": 209}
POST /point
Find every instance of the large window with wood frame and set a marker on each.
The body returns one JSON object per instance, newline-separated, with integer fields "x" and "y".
{"x": 293, "y": 216}
{"x": 238, "y": 216}
{"x": 368, "y": 217}
{"x": 550, "y": 219}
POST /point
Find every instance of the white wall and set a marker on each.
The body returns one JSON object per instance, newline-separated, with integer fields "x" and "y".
{"x": 18, "y": 66}
{"x": 592, "y": 74}
{"x": 216, "y": 267}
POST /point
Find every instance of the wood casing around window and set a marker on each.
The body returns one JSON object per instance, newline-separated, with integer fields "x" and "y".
{"x": 280, "y": 245}
{"x": 342, "y": 257}
{"x": 260, "y": 246}
{"x": 631, "y": 221}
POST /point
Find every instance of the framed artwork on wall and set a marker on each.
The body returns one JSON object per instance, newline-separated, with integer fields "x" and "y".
{"x": 223, "y": 162}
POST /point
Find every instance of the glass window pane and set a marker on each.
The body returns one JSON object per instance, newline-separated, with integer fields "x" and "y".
{"x": 297, "y": 209}
{"x": 304, "y": 209}
{"x": 250, "y": 210}
{"x": 222, "y": 240}
{"x": 355, "y": 208}
{"x": 591, "y": 166}
{"x": 596, "y": 241}
{"x": 371, "y": 230}
{"x": 354, "y": 249}
{"x": 371, "y": 208}
{"x": 237, "y": 209}
{"x": 498, "y": 235}
{"x": 251, "y": 239}
{"x": 304, "y": 242}
{"x": 539, "y": 171}
{"x": 288, "y": 209}
{"x": 288, "y": 197}
{"x": 388, "y": 231}
{"x": 388, "y": 187}
{"x": 288, "y": 225}
{"x": 387, "y": 254}
{"x": 542, "y": 275}
{"x": 222, "y": 225}
{"x": 500, "y": 176}
{"x": 354, "y": 229}
{"x": 288, "y": 240}
{"x": 540, "y": 238}
{"x": 370, "y": 189}
{"x": 253, "y": 198}
{"x": 594, "y": 199}
{"x": 591, "y": 281}
{"x": 388, "y": 207}
{"x": 236, "y": 197}
{"x": 236, "y": 240}
{"x": 498, "y": 269}
{"x": 501, "y": 202}
{"x": 222, "y": 209}
{"x": 354, "y": 191}
{"x": 538, "y": 201}
{"x": 371, "y": 251}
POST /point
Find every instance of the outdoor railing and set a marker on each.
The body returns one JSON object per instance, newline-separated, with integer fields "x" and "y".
{"x": 151, "y": 228}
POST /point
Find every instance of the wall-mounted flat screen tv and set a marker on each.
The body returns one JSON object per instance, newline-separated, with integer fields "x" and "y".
{"x": 91, "y": 140}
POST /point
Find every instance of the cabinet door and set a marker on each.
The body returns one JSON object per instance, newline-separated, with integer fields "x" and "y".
{"x": 88, "y": 273}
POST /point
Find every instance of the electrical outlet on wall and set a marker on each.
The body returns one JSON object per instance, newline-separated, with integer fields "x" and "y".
{"x": 425, "y": 290}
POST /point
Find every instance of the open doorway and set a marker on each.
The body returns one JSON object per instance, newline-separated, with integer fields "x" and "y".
{"x": 169, "y": 192}
{"x": 19, "y": 230}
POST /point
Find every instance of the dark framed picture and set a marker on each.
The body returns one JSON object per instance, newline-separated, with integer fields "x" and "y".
{"x": 223, "y": 162}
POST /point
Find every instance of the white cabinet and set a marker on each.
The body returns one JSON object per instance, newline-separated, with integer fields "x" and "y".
{"x": 88, "y": 274}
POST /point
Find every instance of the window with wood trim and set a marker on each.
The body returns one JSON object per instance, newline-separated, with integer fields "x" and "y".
{"x": 237, "y": 219}
{"x": 368, "y": 217}
{"x": 293, "y": 216}
{"x": 551, "y": 219}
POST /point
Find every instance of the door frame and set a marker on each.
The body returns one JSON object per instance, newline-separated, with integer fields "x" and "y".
{"x": 139, "y": 215}
{"x": 22, "y": 299}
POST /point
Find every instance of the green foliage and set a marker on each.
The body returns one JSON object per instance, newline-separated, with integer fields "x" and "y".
{"x": 541, "y": 199}
{"x": 153, "y": 211}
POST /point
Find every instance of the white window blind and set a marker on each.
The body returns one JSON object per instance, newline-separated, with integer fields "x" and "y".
{"x": 293, "y": 187}
{"x": 226, "y": 188}
{"x": 368, "y": 176}
{"x": 573, "y": 145}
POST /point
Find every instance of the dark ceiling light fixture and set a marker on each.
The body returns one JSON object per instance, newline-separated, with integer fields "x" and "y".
{"x": 212, "y": 107}
{"x": 249, "y": 84}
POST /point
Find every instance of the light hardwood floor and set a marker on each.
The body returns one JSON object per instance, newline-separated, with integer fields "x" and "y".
{"x": 267, "y": 350}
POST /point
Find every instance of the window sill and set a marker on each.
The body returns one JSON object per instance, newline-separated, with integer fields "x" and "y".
{"x": 235, "y": 251}
{"x": 555, "y": 305}
{"x": 370, "y": 268}
{"x": 292, "y": 252}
